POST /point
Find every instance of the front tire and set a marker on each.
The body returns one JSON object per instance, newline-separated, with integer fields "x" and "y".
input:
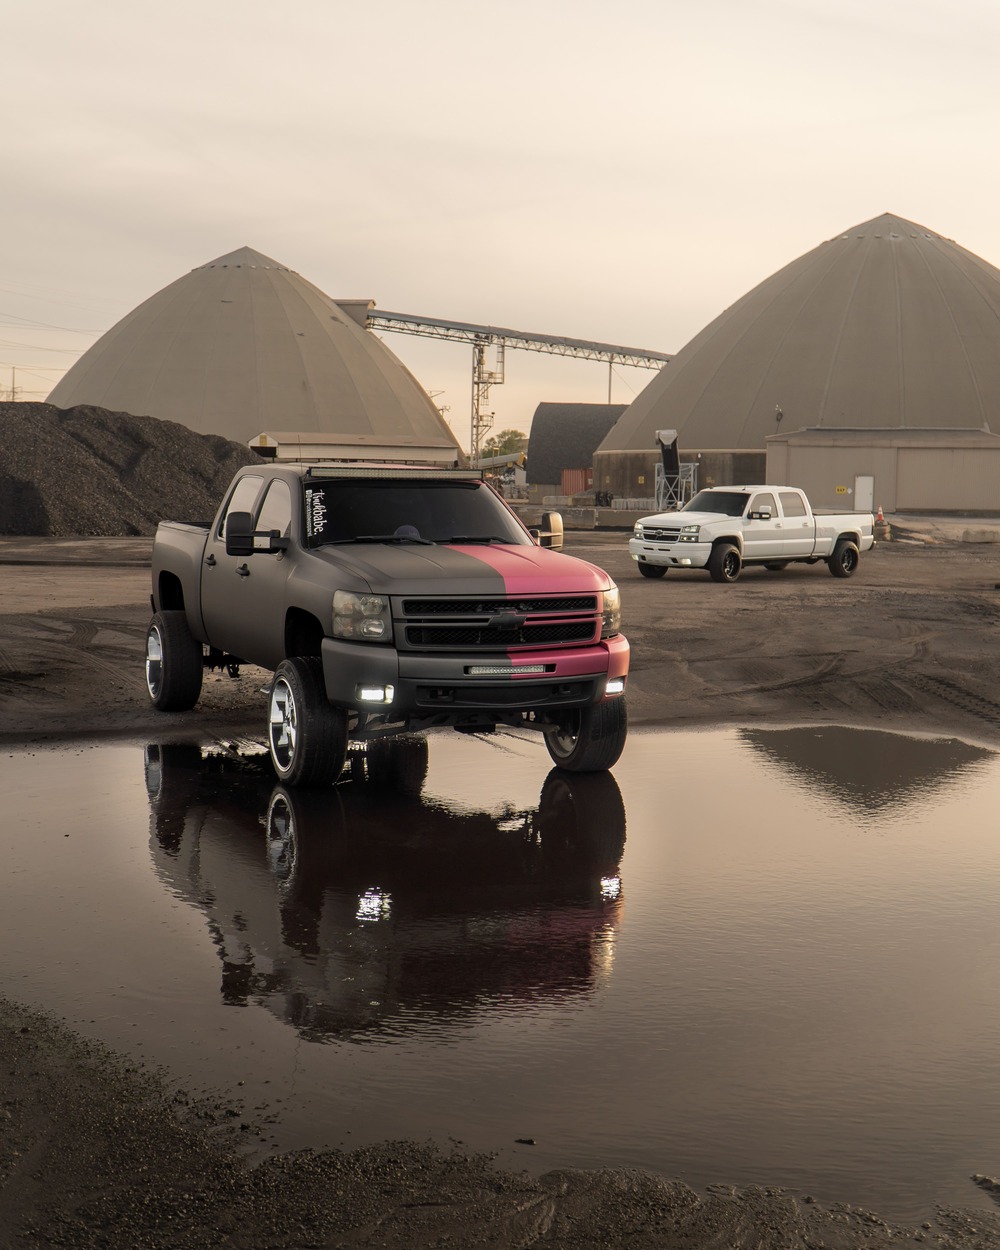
{"x": 589, "y": 739}
{"x": 306, "y": 735}
{"x": 651, "y": 570}
{"x": 725, "y": 563}
{"x": 173, "y": 663}
{"x": 844, "y": 560}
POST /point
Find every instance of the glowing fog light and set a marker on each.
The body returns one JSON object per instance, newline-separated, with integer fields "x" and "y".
{"x": 616, "y": 685}
{"x": 375, "y": 694}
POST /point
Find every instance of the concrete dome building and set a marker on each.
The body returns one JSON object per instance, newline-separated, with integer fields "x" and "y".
{"x": 244, "y": 344}
{"x": 887, "y": 330}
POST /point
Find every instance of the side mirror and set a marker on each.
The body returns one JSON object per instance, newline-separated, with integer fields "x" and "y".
{"x": 763, "y": 515}
{"x": 243, "y": 540}
{"x": 239, "y": 534}
{"x": 549, "y": 532}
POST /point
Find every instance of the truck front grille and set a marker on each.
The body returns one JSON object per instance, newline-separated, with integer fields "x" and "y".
{"x": 660, "y": 534}
{"x": 481, "y": 607}
{"x": 421, "y": 636}
{"x": 496, "y": 624}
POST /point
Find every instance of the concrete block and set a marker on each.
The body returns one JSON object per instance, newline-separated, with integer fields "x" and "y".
{"x": 981, "y": 536}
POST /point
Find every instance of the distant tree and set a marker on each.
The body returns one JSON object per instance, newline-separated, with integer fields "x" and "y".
{"x": 504, "y": 444}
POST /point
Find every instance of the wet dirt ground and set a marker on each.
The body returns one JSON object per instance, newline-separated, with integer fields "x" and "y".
{"x": 90, "y": 1141}
{"x": 908, "y": 643}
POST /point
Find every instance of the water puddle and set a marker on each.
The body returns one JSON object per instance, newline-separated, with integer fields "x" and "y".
{"x": 749, "y": 956}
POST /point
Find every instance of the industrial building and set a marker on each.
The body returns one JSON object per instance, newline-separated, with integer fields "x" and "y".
{"x": 874, "y": 356}
{"x": 564, "y": 438}
{"x": 244, "y": 344}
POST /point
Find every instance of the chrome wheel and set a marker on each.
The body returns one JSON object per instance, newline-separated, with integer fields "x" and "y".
{"x": 306, "y": 735}
{"x": 283, "y": 726}
{"x": 173, "y": 663}
{"x": 154, "y": 662}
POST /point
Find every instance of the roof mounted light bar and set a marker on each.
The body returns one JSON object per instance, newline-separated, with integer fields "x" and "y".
{"x": 321, "y": 471}
{"x": 292, "y": 447}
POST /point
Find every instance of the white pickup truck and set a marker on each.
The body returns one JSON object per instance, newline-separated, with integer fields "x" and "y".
{"x": 723, "y": 528}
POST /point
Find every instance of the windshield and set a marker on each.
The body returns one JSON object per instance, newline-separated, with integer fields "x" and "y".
{"x": 376, "y": 510}
{"x": 725, "y": 502}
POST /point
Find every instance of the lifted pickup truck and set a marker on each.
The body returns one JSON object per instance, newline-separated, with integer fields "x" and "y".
{"x": 723, "y": 528}
{"x": 387, "y": 600}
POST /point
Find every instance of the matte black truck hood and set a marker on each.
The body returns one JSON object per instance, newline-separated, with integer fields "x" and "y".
{"x": 411, "y": 568}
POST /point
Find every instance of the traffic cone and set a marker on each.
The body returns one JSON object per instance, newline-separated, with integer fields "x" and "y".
{"x": 880, "y": 517}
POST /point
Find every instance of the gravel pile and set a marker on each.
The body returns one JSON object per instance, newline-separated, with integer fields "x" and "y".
{"x": 85, "y": 470}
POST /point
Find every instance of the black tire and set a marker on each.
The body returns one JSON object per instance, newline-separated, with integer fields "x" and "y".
{"x": 775, "y": 566}
{"x": 844, "y": 561}
{"x": 173, "y": 663}
{"x": 725, "y": 563}
{"x": 589, "y": 739}
{"x": 306, "y": 735}
{"x": 651, "y": 570}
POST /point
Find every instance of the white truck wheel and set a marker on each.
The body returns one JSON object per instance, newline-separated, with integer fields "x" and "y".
{"x": 725, "y": 563}
{"x": 845, "y": 558}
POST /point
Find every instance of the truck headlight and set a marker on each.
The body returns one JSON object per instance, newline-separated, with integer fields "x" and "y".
{"x": 362, "y": 618}
{"x": 611, "y": 612}
{"x": 637, "y": 530}
{"x": 689, "y": 534}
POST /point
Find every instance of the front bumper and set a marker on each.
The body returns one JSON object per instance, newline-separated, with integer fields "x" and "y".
{"x": 672, "y": 555}
{"x": 428, "y": 685}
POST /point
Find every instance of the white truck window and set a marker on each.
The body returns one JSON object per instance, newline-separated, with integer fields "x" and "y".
{"x": 791, "y": 503}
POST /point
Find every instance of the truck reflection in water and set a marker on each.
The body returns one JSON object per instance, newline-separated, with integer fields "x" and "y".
{"x": 368, "y": 911}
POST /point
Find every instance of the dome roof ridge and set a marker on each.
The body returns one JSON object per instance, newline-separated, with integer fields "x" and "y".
{"x": 244, "y": 256}
{"x": 887, "y": 223}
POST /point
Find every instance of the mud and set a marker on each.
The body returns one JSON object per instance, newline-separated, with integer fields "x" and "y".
{"x": 97, "y": 1152}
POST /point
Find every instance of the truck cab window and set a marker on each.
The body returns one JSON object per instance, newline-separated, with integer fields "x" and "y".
{"x": 726, "y": 502}
{"x": 242, "y": 499}
{"x": 791, "y": 504}
{"x": 276, "y": 510}
{"x": 762, "y": 501}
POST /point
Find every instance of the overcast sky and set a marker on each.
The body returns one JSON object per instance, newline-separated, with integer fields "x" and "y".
{"x": 620, "y": 172}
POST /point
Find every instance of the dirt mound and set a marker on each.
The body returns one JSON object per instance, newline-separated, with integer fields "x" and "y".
{"x": 85, "y": 470}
